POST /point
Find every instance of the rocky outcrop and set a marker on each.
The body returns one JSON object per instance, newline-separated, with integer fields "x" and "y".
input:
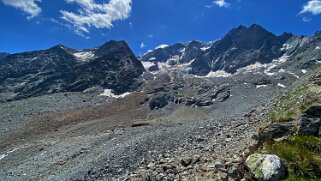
{"x": 310, "y": 122}
{"x": 266, "y": 167}
{"x": 61, "y": 69}
{"x": 276, "y": 131}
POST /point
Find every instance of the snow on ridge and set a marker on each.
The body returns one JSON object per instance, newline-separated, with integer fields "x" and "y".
{"x": 148, "y": 51}
{"x": 219, "y": 73}
{"x": 84, "y": 55}
{"x": 147, "y": 65}
{"x": 152, "y": 58}
{"x": 108, "y": 93}
{"x": 162, "y": 46}
{"x": 266, "y": 68}
{"x": 205, "y": 48}
{"x": 252, "y": 67}
{"x": 286, "y": 47}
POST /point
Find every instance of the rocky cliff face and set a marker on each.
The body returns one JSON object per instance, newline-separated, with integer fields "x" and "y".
{"x": 61, "y": 69}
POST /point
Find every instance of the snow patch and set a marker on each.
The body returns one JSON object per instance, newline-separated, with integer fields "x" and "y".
{"x": 304, "y": 71}
{"x": 162, "y": 46}
{"x": 281, "y": 85}
{"x": 317, "y": 48}
{"x": 2, "y": 156}
{"x": 109, "y": 93}
{"x": 253, "y": 68}
{"x": 84, "y": 56}
{"x": 149, "y": 51}
{"x": 286, "y": 47}
{"x": 205, "y": 48}
{"x": 291, "y": 73}
{"x": 147, "y": 65}
{"x": 152, "y": 58}
{"x": 182, "y": 50}
{"x": 259, "y": 86}
{"x": 219, "y": 73}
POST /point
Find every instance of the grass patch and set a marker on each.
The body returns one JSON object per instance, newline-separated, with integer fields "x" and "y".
{"x": 302, "y": 155}
{"x": 290, "y": 107}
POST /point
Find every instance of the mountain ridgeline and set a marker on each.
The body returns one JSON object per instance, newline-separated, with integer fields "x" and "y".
{"x": 62, "y": 69}
{"x": 242, "y": 46}
{"x": 114, "y": 66}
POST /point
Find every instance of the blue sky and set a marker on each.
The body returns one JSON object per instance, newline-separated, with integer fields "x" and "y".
{"x": 144, "y": 24}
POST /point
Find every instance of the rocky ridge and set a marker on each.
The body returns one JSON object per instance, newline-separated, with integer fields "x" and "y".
{"x": 62, "y": 69}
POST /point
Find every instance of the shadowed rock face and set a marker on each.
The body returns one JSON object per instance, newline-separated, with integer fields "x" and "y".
{"x": 58, "y": 69}
{"x": 244, "y": 46}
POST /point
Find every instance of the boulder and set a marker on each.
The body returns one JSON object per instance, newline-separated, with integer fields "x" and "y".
{"x": 309, "y": 125}
{"x": 276, "y": 130}
{"x": 310, "y": 122}
{"x": 266, "y": 167}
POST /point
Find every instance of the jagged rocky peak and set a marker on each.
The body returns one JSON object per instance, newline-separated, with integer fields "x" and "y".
{"x": 59, "y": 69}
{"x": 242, "y": 37}
{"x": 240, "y": 47}
{"x": 112, "y": 46}
{"x": 163, "y": 52}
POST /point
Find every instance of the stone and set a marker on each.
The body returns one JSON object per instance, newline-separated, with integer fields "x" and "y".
{"x": 234, "y": 172}
{"x": 266, "y": 167}
{"x": 151, "y": 165}
{"x": 186, "y": 161}
{"x": 308, "y": 125}
{"x": 219, "y": 165}
{"x": 276, "y": 131}
{"x": 310, "y": 122}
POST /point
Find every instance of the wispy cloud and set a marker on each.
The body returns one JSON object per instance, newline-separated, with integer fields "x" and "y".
{"x": 92, "y": 14}
{"x": 306, "y": 19}
{"x": 28, "y": 6}
{"x": 313, "y": 7}
{"x": 142, "y": 45}
{"x": 221, "y": 3}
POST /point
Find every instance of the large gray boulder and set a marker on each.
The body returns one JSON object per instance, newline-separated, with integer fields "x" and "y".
{"x": 266, "y": 167}
{"x": 310, "y": 122}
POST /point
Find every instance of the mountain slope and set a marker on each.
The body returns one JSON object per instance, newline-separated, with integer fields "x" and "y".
{"x": 61, "y": 69}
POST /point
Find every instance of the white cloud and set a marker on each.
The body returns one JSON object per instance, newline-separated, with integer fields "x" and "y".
{"x": 313, "y": 6}
{"x": 91, "y": 14}
{"x": 28, "y": 6}
{"x": 142, "y": 45}
{"x": 221, "y": 3}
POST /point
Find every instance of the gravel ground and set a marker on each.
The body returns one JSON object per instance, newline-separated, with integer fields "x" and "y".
{"x": 86, "y": 137}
